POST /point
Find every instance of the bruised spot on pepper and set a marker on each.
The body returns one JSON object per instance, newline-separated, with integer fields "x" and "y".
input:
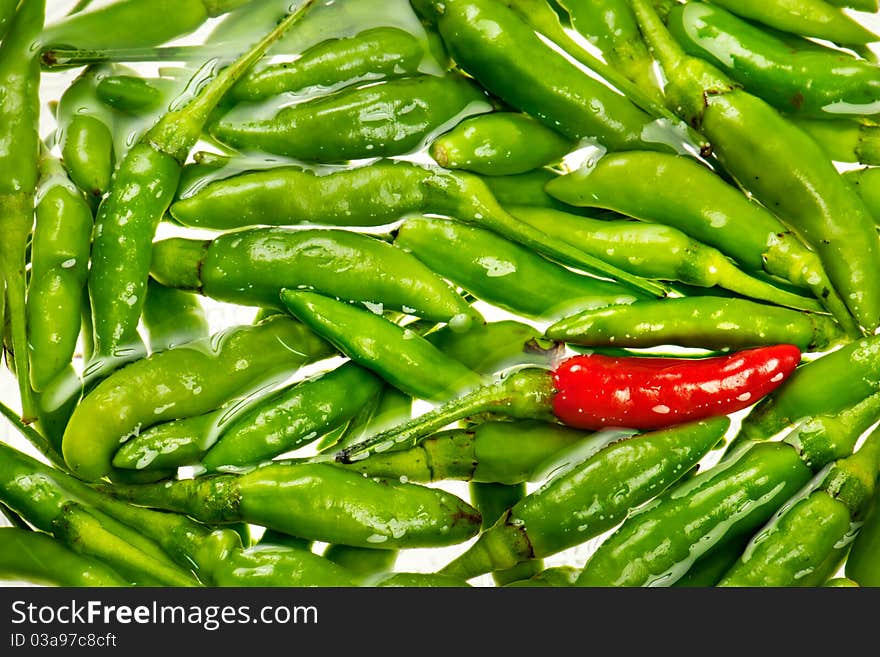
{"x": 797, "y": 100}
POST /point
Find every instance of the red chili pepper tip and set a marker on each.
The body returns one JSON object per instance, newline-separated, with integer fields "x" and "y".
{"x": 595, "y": 392}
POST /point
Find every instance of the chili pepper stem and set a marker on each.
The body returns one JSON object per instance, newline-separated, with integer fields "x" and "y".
{"x": 177, "y": 131}
{"x": 498, "y": 548}
{"x": 40, "y": 442}
{"x": 525, "y": 394}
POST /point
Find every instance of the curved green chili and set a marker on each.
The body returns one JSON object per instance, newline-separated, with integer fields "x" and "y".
{"x": 59, "y": 268}
{"x": 172, "y": 317}
{"x": 380, "y": 52}
{"x": 702, "y": 322}
{"x": 657, "y": 251}
{"x": 388, "y": 118}
{"x": 187, "y": 380}
{"x": 502, "y": 272}
{"x": 250, "y": 267}
{"x": 866, "y": 182}
{"x": 399, "y": 355}
{"x": 319, "y": 502}
{"x": 803, "y": 78}
{"x": 844, "y": 141}
{"x": 590, "y": 497}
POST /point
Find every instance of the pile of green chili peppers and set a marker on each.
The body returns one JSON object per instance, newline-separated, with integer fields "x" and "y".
{"x": 340, "y": 280}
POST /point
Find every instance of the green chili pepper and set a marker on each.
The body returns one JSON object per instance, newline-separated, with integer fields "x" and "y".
{"x": 861, "y": 563}
{"x": 826, "y": 385}
{"x": 710, "y": 568}
{"x": 381, "y": 52}
{"x": 389, "y": 407}
{"x": 657, "y": 251}
{"x": 703, "y": 322}
{"x": 811, "y": 18}
{"x": 590, "y": 497}
{"x": 797, "y": 77}
{"x": 866, "y": 182}
{"x": 292, "y": 417}
{"x": 270, "y": 565}
{"x": 526, "y": 189}
{"x": 85, "y": 134}
{"x": 662, "y": 191}
{"x": 59, "y": 268}
{"x": 795, "y": 545}
{"x": 803, "y": 187}
{"x": 19, "y": 118}
{"x": 503, "y": 52}
{"x": 493, "y": 501}
{"x": 172, "y": 317}
{"x": 399, "y": 355}
{"x": 377, "y": 120}
{"x": 845, "y": 141}
{"x": 319, "y": 502}
{"x": 142, "y": 189}
{"x": 612, "y": 28}
{"x": 170, "y": 444}
{"x": 375, "y": 195}
{"x": 57, "y": 510}
{"x": 36, "y": 557}
{"x": 250, "y": 267}
{"x": 859, "y": 5}
{"x": 182, "y": 382}
{"x": 136, "y": 22}
{"x": 502, "y": 272}
{"x": 363, "y": 562}
{"x": 841, "y": 582}
{"x": 499, "y": 144}
{"x": 132, "y": 94}
{"x": 490, "y": 452}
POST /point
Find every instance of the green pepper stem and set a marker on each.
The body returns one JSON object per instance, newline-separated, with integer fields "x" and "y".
{"x": 525, "y": 394}
{"x": 178, "y": 131}
{"x": 57, "y": 58}
{"x": 735, "y": 280}
{"x": 38, "y": 440}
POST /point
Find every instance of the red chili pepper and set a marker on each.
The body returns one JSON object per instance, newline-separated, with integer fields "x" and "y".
{"x": 593, "y": 391}
{"x": 596, "y": 391}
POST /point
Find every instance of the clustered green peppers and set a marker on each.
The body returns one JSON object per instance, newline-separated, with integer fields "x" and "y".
{"x": 585, "y": 266}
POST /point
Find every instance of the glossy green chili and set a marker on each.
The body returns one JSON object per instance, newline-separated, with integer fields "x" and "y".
{"x": 662, "y": 191}
{"x": 394, "y": 117}
{"x": 555, "y": 577}
{"x": 502, "y": 272}
{"x": 490, "y": 452}
{"x": 38, "y": 558}
{"x": 499, "y": 144}
{"x": 132, "y": 23}
{"x": 133, "y": 94}
{"x": 59, "y": 268}
{"x": 292, "y": 417}
{"x": 187, "y": 380}
{"x": 19, "y": 156}
{"x": 793, "y": 549}
{"x": 799, "y": 78}
{"x": 250, "y": 267}
{"x": 526, "y": 189}
{"x": 502, "y": 51}
{"x": 397, "y": 354}
{"x": 319, "y": 502}
{"x": 375, "y": 195}
{"x": 377, "y": 53}
{"x": 589, "y": 497}
{"x": 701, "y": 322}
{"x": 803, "y": 187}
{"x": 143, "y": 187}
{"x": 811, "y": 18}
{"x": 657, "y": 251}
{"x": 362, "y": 562}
